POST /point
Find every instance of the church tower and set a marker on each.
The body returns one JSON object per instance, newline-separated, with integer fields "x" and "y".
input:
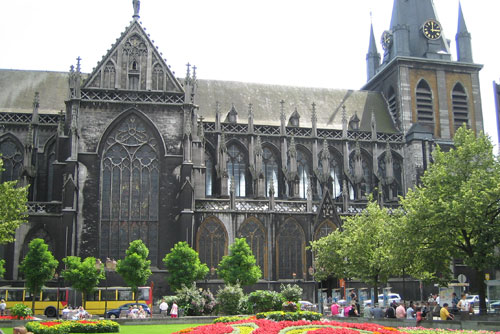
{"x": 429, "y": 95}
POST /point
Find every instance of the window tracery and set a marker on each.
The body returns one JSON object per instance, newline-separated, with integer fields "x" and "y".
{"x": 270, "y": 165}
{"x": 236, "y": 168}
{"x": 255, "y": 236}
{"x": 12, "y": 156}
{"x": 130, "y": 189}
{"x": 212, "y": 242}
{"x": 290, "y": 253}
{"x": 303, "y": 171}
{"x": 109, "y": 75}
{"x": 324, "y": 229}
{"x": 157, "y": 77}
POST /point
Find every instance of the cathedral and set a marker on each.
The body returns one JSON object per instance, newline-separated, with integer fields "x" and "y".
{"x": 130, "y": 151}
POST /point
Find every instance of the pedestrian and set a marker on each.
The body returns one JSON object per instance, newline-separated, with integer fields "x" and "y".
{"x": 367, "y": 311}
{"x": 444, "y": 313}
{"x": 419, "y": 316}
{"x": 410, "y": 311}
{"x": 353, "y": 312}
{"x": 3, "y": 307}
{"x": 464, "y": 307}
{"x": 163, "y": 308}
{"x": 377, "y": 312}
{"x": 390, "y": 312}
{"x": 400, "y": 311}
{"x": 335, "y": 309}
{"x": 173, "y": 310}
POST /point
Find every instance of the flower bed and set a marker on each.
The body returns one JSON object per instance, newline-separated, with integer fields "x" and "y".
{"x": 13, "y": 317}
{"x": 78, "y": 326}
{"x": 265, "y": 326}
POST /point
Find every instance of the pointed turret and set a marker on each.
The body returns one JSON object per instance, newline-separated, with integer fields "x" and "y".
{"x": 372, "y": 57}
{"x": 463, "y": 38}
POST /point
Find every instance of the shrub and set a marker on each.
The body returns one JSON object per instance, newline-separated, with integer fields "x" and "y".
{"x": 290, "y": 316}
{"x": 209, "y": 301}
{"x": 245, "y": 306}
{"x": 229, "y": 298}
{"x": 289, "y": 306}
{"x": 264, "y": 301}
{"x": 191, "y": 300}
{"x": 81, "y": 326}
{"x": 21, "y": 311}
{"x": 229, "y": 319}
{"x": 291, "y": 292}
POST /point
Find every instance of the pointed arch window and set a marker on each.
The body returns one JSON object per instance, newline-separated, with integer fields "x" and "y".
{"x": 270, "y": 165}
{"x": 425, "y": 104}
{"x": 158, "y": 77}
{"x": 290, "y": 253}
{"x": 324, "y": 229}
{"x": 211, "y": 242}
{"x": 303, "y": 170}
{"x": 255, "y": 236}
{"x": 130, "y": 174}
{"x": 109, "y": 75}
{"x": 209, "y": 174}
{"x": 12, "y": 156}
{"x": 460, "y": 103}
{"x": 236, "y": 167}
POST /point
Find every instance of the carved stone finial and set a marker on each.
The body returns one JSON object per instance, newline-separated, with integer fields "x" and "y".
{"x": 194, "y": 73}
{"x": 282, "y": 111}
{"x": 344, "y": 114}
{"x": 201, "y": 131}
{"x": 78, "y": 65}
{"x": 36, "y": 100}
{"x": 250, "y": 110}
{"x": 60, "y": 125}
{"x": 137, "y": 8}
{"x": 188, "y": 72}
{"x": 258, "y": 146}
{"x": 314, "y": 116}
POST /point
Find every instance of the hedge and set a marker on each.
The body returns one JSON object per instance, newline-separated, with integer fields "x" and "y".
{"x": 78, "y": 326}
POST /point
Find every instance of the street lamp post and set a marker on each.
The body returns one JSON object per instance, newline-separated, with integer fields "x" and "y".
{"x": 58, "y": 280}
{"x": 110, "y": 266}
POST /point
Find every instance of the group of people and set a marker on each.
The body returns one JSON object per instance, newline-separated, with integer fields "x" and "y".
{"x": 79, "y": 313}
{"x": 135, "y": 312}
{"x": 164, "y": 309}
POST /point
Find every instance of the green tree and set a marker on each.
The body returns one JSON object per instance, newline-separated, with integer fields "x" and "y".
{"x": 454, "y": 213}
{"x": 2, "y": 268}
{"x": 82, "y": 275}
{"x": 134, "y": 268}
{"x": 38, "y": 266}
{"x": 239, "y": 267}
{"x": 12, "y": 208}
{"x": 365, "y": 249}
{"x": 184, "y": 266}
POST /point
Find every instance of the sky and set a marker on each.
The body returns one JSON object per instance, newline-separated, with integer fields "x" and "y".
{"x": 313, "y": 43}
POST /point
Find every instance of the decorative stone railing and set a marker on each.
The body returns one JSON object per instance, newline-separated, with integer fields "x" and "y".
{"x": 24, "y": 118}
{"x": 245, "y": 205}
{"x": 124, "y": 96}
{"x": 40, "y": 208}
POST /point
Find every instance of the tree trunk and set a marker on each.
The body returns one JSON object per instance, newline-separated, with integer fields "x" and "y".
{"x": 33, "y": 303}
{"x": 84, "y": 302}
{"x": 482, "y": 292}
{"x": 375, "y": 292}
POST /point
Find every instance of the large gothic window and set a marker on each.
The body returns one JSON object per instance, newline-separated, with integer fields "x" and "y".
{"x": 460, "y": 104}
{"x": 129, "y": 189}
{"x": 12, "y": 156}
{"x": 290, "y": 253}
{"x": 270, "y": 165}
{"x": 324, "y": 229}
{"x": 211, "y": 242}
{"x": 303, "y": 171}
{"x": 255, "y": 235}
{"x": 236, "y": 168}
{"x": 209, "y": 174}
{"x": 425, "y": 104}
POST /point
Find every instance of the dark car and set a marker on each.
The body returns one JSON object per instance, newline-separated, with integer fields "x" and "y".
{"x": 115, "y": 313}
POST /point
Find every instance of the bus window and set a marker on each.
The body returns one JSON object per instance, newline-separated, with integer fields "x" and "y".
{"x": 15, "y": 295}
{"x": 125, "y": 295}
{"x": 29, "y": 296}
{"x": 109, "y": 295}
{"x": 2, "y": 293}
{"x": 48, "y": 295}
{"x": 143, "y": 294}
{"x": 62, "y": 294}
{"x": 93, "y": 296}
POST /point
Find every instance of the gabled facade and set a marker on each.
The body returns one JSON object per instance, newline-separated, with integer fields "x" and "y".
{"x": 139, "y": 154}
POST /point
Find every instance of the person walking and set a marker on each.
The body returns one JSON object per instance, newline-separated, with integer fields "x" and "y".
{"x": 174, "y": 310}
{"x": 163, "y": 308}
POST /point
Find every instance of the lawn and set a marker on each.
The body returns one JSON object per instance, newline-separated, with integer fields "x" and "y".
{"x": 149, "y": 329}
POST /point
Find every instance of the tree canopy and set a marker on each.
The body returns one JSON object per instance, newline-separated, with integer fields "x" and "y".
{"x": 12, "y": 208}
{"x": 38, "y": 266}
{"x": 134, "y": 268}
{"x": 184, "y": 266}
{"x": 365, "y": 249}
{"x": 239, "y": 267}
{"x": 454, "y": 213}
{"x": 82, "y": 275}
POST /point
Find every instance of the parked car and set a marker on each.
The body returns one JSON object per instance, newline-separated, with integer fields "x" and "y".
{"x": 474, "y": 300}
{"x": 391, "y": 297}
{"x": 115, "y": 313}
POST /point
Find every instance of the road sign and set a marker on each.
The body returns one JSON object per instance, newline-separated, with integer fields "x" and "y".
{"x": 462, "y": 278}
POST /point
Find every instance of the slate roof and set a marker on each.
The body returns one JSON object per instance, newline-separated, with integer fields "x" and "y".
{"x": 17, "y": 89}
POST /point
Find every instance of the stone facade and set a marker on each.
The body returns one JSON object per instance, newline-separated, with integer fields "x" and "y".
{"x": 137, "y": 153}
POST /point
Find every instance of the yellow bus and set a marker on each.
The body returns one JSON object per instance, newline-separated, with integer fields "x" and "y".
{"x": 45, "y": 302}
{"x": 98, "y": 302}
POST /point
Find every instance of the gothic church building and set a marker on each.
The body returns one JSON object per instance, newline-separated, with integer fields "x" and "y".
{"x": 130, "y": 152}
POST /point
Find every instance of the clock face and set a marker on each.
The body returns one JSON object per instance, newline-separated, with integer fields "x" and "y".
{"x": 386, "y": 39}
{"x": 432, "y": 29}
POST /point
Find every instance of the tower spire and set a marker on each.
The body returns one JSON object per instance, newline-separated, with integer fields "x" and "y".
{"x": 463, "y": 38}
{"x": 137, "y": 8}
{"x": 372, "y": 57}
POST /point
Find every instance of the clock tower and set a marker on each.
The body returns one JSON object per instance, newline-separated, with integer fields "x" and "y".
{"x": 429, "y": 94}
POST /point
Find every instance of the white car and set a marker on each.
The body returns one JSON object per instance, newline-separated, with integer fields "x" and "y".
{"x": 474, "y": 300}
{"x": 391, "y": 297}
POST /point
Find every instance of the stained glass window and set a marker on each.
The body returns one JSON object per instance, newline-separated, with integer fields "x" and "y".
{"x": 255, "y": 236}
{"x": 303, "y": 171}
{"x": 212, "y": 242}
{"x": 236, "y": 167}
{"x": 12, "y": 157}
{"x": 270, "y": 165}
{"x": 130, "y": 189}
{"x": 290, "y": 252}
